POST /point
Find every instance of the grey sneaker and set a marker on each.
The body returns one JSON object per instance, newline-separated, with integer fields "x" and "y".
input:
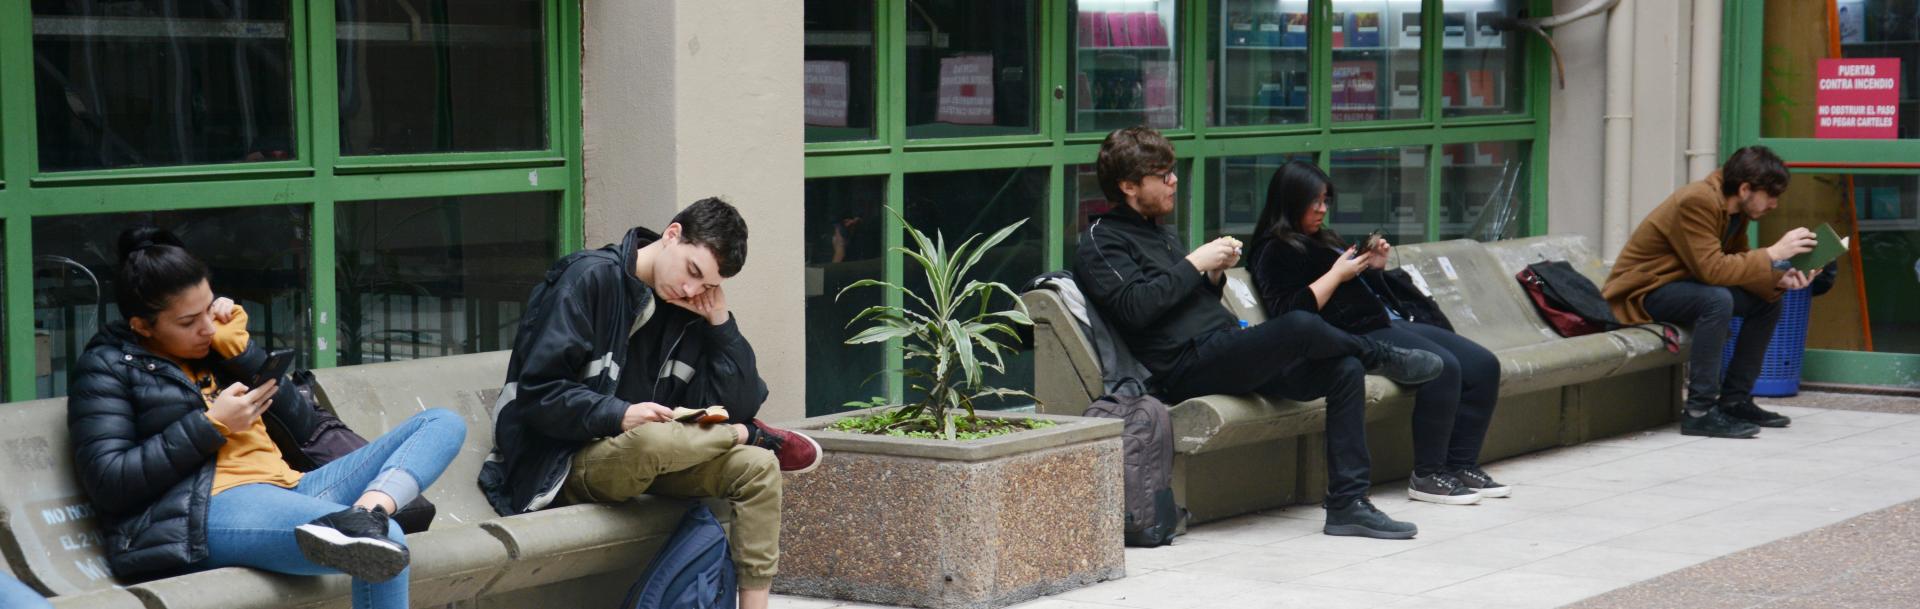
{"x": 1716, "y": 424}
{"x": 1440, "y": 488}
{"x": 1361, "y": 519}
{"x": 1478, "y": 480}
{"x": 353, "y": 541}
{"x": 1402, "y": 365}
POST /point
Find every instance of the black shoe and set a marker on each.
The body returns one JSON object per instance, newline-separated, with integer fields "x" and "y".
{"x": 1402, "y": 365}
{"x": 1361, "y": 519}
{"x": 1440, "y": 488}
{"x": 1716, "y": 424}
{"x": 354, "y": 541}
{"x": 1478, "y": 480}
{"x": 1750, "y": 412}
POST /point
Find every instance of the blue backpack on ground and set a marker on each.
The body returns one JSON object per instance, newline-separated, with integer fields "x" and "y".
{"x": 693, "y": 571}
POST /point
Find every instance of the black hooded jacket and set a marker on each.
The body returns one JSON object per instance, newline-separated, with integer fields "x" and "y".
{"x": 1137, "y": 273}
{"x": 594, "y": 340}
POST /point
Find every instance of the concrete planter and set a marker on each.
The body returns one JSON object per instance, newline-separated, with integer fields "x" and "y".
{"x": 950, "y": 525}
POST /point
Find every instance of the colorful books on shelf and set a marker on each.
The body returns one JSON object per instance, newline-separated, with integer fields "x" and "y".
{"x": 1339, "y": 30}
{"x": 1355, "y": 90}
{"x": 1092, "y": 32}
{"x": 1486, "y": 31}
{"x": 1240, "y": 31}
{"x": 1297, "y": 28}
{"x": 1364, "y": 28}
{"x": 1099, "y": 29}
{"x": 1406, "y": 89}
{"x": 1453, "y": 30}
{"x": 1481, "y": 89}
{"x": 1409, "y": 32}
{"x": 1883, "y": 203}
{"x": 1450, "y": 89}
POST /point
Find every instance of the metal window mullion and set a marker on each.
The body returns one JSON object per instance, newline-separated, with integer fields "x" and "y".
{"x": 1320, "y": 47}
{"x": 566, "y": 132}
{"x": 21, "y": 353}
{"x": 1433, "y": 193}
{"x": 893, "y": 268}
{"x": 323, "y": 125}
{"x": 17, "y": 137}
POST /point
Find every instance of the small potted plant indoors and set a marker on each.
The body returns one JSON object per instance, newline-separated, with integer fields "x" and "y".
{"x": 934, "y": 504}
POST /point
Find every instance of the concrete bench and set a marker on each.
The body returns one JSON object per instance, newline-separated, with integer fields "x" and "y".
{"x": 572, "y": 556}
{"x": 1236, "y": 454}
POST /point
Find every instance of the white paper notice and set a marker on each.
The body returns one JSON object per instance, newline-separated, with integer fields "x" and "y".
{"x": 1446, "y": 266}
{"x": 1242, "y": 292}
{"x": 1419, "y": 281}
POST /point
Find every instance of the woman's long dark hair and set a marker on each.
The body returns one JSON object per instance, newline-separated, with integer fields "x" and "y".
{"x": 1289, "y": 194}
{"x": 154, "y": 266}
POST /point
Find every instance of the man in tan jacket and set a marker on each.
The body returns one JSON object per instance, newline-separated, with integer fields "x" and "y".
{"x": 1689, "y": 263}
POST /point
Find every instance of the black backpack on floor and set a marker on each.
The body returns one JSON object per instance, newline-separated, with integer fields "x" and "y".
{"x": 1153, "y": 518}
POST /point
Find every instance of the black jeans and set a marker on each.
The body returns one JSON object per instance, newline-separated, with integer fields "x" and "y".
{"x": 1451, "y": 412}
{"x": 1296, "y": 356}
{"x": 1710, "y": 309}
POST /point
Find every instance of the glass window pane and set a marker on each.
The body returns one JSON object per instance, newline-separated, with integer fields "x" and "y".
{"x": 1376, "y": 60}
{"x": 1484, "y": 192}
{"x": 1238, "y": 188}
{"x": 844, "y": 245}
{"x": 259, "y": 256}
{"x": 1259, "y": 48}
{"x": 964, "y": 203}
{"x": 839, "y": 70}
{"x": 467, "y": 76}
{"x": 1125, "y": 64}
{"x": 151, "y": 83}
{"x": 428, "y": 277}
{"x": 971, "y": 67}
{"x": 1084, "y": 198}
{"x": 1887, "y": 208}
{"x": 1481, "y": 64}
{"x": 1797, "y": 38}
{"x": 1380, "y": 188}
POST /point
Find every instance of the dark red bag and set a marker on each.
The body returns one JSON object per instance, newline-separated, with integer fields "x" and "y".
{"x": 1572, "y": 305}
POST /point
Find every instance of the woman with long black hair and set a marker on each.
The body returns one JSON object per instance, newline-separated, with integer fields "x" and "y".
{"x": 1300, "y": 263}
{"x": 174, "y": 454}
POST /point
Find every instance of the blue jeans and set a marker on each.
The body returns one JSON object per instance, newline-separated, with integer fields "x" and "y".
{"x": 16, "y": 595}
{"x": 252, "y": 525}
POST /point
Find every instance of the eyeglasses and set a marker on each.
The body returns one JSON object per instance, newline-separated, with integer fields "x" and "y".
{"x": 1166, "y": 177}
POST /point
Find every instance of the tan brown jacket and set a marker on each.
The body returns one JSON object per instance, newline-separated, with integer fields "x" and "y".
{"x": 1681, "y": 240}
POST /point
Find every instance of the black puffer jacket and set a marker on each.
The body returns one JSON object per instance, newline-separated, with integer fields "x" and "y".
{"x": 145, "y": 450}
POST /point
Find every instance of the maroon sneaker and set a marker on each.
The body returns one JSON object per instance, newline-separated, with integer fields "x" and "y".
{"x": 798, "y": 454}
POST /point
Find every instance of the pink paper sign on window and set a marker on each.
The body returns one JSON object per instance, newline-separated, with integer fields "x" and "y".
{"x": 1857, "y": 99}
{"x": 966, "y": 90}
{"x": 826, "y": 93}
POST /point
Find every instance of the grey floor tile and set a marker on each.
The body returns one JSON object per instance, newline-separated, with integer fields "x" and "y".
{"x": 1718, "y": 538}
{"x": 1490, "y": 551}
{"x": 1615, "y": 563}
{"x": 1648, "y": 505}
{"x": 1273, "y": 565}
{"x": 1166, "y": 590}
{"x": 1253, "y": 529}
{"x": 1396, "y": 576}
{"x": 799, "y": 602}
{"x": 1522, "y": 589}
{"x": 1184, "y": 550}
{"x": 1300, "y": 596}
{"x": 1353, "y": 546}
{"x": 1569, "y": 528}
{"x": 1714, "y": 486}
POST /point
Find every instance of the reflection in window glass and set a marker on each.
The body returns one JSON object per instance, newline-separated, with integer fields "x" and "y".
{"x": 463, "y": 76}
{"x": 1797, "y": 37}
{"x": 421, "y": 278}
{"x": 971, "y": 67}
{"x": 1484, "y": 191}
{"x": 964, "y": 203}
{"x": 839, "y": 70}
{"x": 1376, "y": 60}
{"x": 1887, "y": 209}
{"x": 1085, "y": 200}
{"x": 1265, "y": 74}
{"x": 1481, "y": 63}
{"x": 1125, "y": 64}
{"x": 1239, "y": 191}
{"x": 259, "y": 257}
{"x": 844, "y": 245}
{"x": 1380, "y": 188}
{"x": 153, "y": 83}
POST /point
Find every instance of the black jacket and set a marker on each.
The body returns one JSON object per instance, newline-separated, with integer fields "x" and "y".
{"x": 1282, "y": 273}
{"x": 144, "y": 450}
{"x": 578, "y": 340}
{"x": 1136, "y": 272}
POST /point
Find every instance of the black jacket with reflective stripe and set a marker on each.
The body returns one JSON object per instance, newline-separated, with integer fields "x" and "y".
{"x": 1137, "y": 273}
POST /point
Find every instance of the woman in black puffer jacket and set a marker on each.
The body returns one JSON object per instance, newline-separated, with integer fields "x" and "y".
{"x": 174, "y": 454}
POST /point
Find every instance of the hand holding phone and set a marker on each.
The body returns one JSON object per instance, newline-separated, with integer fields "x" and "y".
{"x": 275, "y": 367}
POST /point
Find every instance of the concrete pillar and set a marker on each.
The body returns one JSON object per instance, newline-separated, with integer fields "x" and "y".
{"x": 685, "y": 99}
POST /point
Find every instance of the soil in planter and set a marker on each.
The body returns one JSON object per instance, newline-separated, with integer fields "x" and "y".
{"x": 886, "y": 423}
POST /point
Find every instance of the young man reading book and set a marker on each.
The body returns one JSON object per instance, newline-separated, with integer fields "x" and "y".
{"x": 1689, "y": 263}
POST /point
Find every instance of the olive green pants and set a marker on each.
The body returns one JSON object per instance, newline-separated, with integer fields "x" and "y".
{"x": 691, "y": 461}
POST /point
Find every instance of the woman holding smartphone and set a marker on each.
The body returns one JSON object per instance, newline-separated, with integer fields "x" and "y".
{"x": 1300, "y": 263}
{"x": 173, "y": 452}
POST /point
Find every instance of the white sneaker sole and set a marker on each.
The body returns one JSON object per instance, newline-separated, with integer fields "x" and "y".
{"x": 818, "y": 455}
{"x": 1495, "y": 493}
{"x": 1469, "y": 499}
{"x": 374, "y": 560}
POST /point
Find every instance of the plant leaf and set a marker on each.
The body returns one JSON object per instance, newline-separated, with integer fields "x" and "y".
{"x": 879, "y": 334}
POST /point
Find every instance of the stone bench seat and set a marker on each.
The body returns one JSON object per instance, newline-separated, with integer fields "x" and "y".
{"x": 1239, "y": 453}
{"x": 584, "y": 555}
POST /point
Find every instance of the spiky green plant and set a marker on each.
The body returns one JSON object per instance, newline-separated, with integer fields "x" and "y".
{"x": 944, "y": 332}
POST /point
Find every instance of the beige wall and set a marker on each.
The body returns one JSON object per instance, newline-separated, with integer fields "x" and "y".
{"x": 688, "y": 99}
{"x": 1662, "y": 41}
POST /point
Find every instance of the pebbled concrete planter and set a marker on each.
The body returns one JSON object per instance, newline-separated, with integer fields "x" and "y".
{"x": 955, "y": 525}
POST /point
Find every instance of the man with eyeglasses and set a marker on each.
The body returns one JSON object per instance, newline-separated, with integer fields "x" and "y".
{"x": 1164, "y": 303}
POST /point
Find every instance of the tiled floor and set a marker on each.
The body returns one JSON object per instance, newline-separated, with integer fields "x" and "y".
{"x": 1583, "y": 521}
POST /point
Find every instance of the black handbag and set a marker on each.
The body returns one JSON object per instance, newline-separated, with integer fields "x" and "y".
{"x": 325, "y": 438}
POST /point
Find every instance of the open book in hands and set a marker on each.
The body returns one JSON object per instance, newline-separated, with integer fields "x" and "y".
{"x": 704, "y": 416}
{"x": 1828, "y": 246}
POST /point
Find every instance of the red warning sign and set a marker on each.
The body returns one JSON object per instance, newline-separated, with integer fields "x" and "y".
{"x": 1858, "y": 98}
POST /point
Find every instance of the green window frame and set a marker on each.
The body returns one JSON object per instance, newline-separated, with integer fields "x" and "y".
{"x": 318, "y": 177}
{"x": 1056, "y": 147}
{"x": 1742, "y": 73}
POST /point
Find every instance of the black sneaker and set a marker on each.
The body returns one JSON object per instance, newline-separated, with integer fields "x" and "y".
{"x": 1716, "y": 424}
{"x": 1402, "y": 365}
{"x": 353, "y": 541}
{"x": 1361, "y": 519}
{"x": 1440, "y": 488}
{"x": 1478, "y": 480}
{"x": 1750, "y": 412}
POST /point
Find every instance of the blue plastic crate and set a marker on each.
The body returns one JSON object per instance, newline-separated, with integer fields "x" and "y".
{"x": 1780, "y": 370}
